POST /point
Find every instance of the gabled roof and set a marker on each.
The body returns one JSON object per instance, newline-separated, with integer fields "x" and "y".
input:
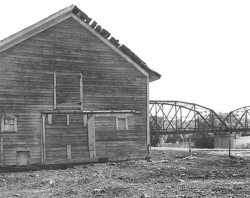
{"x": 91, "y": 25}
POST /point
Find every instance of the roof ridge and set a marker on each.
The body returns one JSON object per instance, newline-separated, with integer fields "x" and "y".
{"x": 93, "y": 25}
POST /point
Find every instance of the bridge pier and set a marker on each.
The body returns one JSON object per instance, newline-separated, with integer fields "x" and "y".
{"x": 222, "y": 140}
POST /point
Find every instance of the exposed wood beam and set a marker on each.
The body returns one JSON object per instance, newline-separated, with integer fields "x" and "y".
{"x": 43, "y": 139}
{"x": 54, "y": 90}
{"x": 81, "y": 90}
{"x": 1, "y": 151}
{"x": 91, "y": 136}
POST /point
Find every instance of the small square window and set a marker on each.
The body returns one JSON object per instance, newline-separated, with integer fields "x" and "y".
{"x": 8, "y": 123}
{"x": 121, "y": 123}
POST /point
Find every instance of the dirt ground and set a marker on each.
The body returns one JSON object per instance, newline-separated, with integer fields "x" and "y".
{"x": 169, "y": 174}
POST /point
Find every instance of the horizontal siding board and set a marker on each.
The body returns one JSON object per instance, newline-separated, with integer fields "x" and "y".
{"x": 125, "y": 149}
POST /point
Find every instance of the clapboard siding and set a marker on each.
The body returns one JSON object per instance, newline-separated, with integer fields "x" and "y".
{"x": 114, "y": 144}
{"x": 26, "y": 89}
{"x": 59, "y": 135}
{"x": 9, "y": 155}
{"x": 125, "y": 150}
{"x": 22, "y": 140}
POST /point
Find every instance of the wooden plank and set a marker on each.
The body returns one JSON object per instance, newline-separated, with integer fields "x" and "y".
{"x": 54, "y": 90}
{"x": 1, "y": 151}
{"x": 68, "y": 151}
{"x": 148, "y": 142}
{"x": 91, "y": 136}
{"x": 81, "y": 90}
{"x": 85, "y": 120}
{"x": 67, "y": 119}
{"x": 43, "y": 138}
{"x": 50, "y": 118}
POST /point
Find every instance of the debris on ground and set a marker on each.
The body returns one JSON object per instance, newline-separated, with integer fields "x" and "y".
{"x": 167, "y": 174}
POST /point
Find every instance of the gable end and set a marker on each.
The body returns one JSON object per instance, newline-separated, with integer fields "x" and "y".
{"x": 94, "y": 28}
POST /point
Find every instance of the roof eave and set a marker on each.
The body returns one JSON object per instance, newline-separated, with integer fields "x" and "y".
{"x": 153, "y": 76}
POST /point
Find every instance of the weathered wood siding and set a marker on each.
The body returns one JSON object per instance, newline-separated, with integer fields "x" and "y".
{"x": 26, "y": 85}
{"x": 59, "y": 135}
{"x": 113, "y": 144}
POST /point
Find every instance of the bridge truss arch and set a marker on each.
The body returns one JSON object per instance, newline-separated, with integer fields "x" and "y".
{"x": 239, "y": 119}
{"x": 170, "y": 117}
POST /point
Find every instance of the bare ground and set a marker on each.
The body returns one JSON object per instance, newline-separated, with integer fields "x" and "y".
{"x": 170, "y": 174}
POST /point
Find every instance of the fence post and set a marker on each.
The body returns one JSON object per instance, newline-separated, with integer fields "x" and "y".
{"x": 148, "y": 158}
{"x": 229, "y": 146}
{"x": 189, "y": 146}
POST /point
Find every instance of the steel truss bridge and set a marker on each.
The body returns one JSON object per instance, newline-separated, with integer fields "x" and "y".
{"x": 172, "y": 117}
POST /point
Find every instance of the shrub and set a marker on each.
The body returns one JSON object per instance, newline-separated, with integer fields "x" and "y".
{"x": 155, "y": 140}
{"x": 203, "y": 141}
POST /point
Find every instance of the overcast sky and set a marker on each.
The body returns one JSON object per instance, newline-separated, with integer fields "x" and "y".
{"x": 201, "y": 48}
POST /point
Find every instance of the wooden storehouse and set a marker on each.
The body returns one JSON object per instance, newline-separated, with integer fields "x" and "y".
{"x": 70, "y": 92}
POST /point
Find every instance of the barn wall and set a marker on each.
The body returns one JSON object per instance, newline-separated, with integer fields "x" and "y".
{"x": 112, "y": 143}
{"x": 26, "y": 79}
{"x": 59, "y": 136}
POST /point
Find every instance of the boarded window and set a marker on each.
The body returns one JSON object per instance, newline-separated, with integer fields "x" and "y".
{"x": 22, "y": 158}
{"x": 121, "y": 123}
{"x": 9, "y": 123}
{"x": 68, "y": 90}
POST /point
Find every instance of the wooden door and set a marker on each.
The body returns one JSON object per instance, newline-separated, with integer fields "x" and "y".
{"x": 66, "y": 138}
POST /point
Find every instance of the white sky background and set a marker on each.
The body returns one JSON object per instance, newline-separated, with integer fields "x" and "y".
{"x": 201, "y": 48}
